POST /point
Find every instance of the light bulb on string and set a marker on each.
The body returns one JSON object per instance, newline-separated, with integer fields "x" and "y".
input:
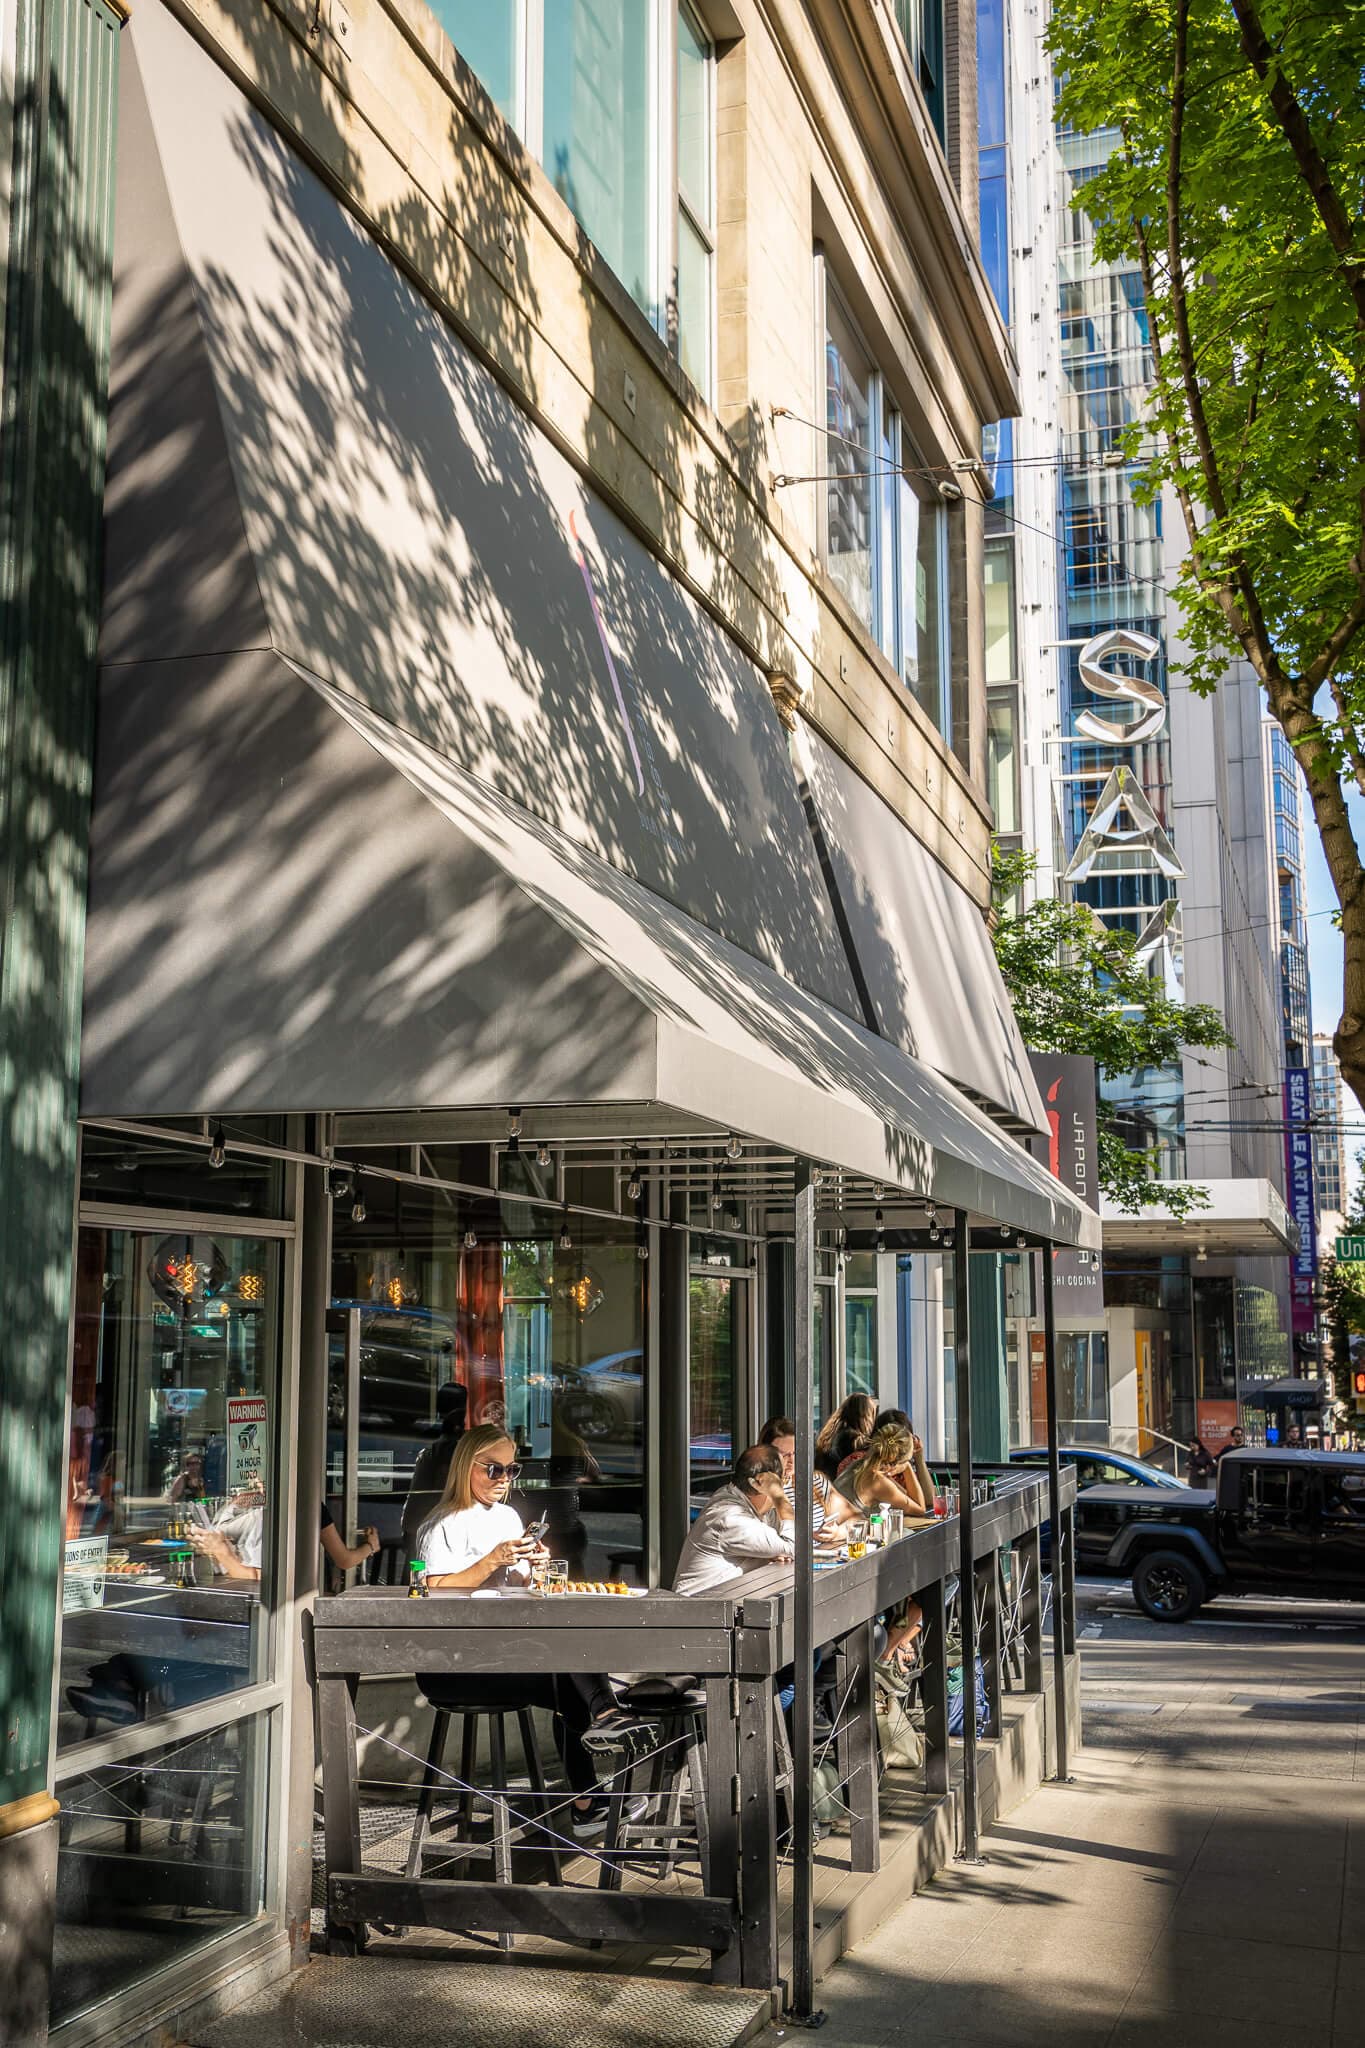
{"x": 471, "y": 1240}
{"x": 217, "y": 1147}
{"x": 633, "y": 1185}
{"x": 734, "y": 1150}
{"x": 542, "y": 1155}
{"x": 881, "y": 1233}
{"x": 358, "y": 1208}
{"x": 717, "y": 1196}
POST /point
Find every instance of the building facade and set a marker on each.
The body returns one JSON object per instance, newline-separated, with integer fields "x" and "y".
{"x": 1139, "y": 799}
{"x": 539, "y": 804}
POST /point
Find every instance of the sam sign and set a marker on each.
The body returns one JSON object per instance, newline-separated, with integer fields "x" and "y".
{"x": 1066, "y": 1082}
{"x": 1298, "y": 1159}
{"x": 246, "y": 1442}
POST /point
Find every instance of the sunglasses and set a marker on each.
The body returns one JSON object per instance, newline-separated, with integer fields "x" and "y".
{"x": 496, "y": 1471}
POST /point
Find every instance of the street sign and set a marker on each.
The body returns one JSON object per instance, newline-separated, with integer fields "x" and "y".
{"x": 1351, "y": 1250}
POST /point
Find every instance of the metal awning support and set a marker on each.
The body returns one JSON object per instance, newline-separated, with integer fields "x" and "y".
{"x": 1057, "y": 1523}
{"x": 962, "y": 1354}
{"x": 803, "y": 1723}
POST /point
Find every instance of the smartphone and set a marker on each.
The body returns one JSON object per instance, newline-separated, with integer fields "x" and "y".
{"x": 536, "y": 1530}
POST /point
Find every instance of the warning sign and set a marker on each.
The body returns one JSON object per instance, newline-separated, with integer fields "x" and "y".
{"x": 83, "y": 1568}
{"x": 246, "y": 1443}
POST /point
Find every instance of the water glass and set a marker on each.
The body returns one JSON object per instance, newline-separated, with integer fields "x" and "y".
{"x": 556, "y": 1575}
{"x": 857, "y": 1541}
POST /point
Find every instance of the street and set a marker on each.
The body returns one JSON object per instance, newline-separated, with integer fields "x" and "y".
{"x": 1202, "y": 1880}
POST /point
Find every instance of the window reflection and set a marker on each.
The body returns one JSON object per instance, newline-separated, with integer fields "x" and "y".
{"x": 536, "y": 1318}
{"x": 157, "y": 1855}
{"x": 170, "y": 1467}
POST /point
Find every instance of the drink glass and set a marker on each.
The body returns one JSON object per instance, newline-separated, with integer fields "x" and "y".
{"x": 556, "y": 1575}
{"x": 940, "y": 1506}
{"x": 540, "y": 1574}
{"x": 895, "y": 1524}
{"x": 857, "y": 1541}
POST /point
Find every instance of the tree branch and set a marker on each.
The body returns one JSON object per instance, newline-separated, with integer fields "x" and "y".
{"x": 1293, "y": 121}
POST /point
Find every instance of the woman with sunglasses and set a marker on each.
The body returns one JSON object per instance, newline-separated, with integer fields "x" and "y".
{"x": 476, "y": 1539}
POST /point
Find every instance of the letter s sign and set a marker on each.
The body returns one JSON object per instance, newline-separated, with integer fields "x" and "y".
{"x": 1126, "y": 689}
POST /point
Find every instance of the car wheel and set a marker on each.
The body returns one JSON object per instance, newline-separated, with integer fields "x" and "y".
{"x": 1168, "y": 1586}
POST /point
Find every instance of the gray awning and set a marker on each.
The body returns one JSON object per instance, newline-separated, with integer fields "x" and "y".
{"x": 368, "y": 927}
{"x": 921, "y": 946}
{"x": 305, "y": 456}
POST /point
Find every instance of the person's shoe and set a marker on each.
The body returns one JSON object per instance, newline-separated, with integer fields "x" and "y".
{"x": 625, "y": 1736}
{"x": 891, "y": 1676}
{"x": 588, "y": 1821}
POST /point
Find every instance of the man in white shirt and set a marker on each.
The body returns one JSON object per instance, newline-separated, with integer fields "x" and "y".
{"x": 735, "y": 1532}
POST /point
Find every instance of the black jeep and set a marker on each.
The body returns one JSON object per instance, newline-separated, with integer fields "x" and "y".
{"x": 1278, "y": 1522}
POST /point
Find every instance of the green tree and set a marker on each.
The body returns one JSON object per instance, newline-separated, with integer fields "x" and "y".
{"x": 1235, "y": 184}
{"x": 1078, "y": 986}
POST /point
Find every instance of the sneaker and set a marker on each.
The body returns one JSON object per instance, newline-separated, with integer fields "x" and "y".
{"x": 623, "y": 1736}
{"x": 588, "y": 1821}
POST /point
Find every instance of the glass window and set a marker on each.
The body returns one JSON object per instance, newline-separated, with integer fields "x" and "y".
{"x": 127, "y": 1171}
{"x": 696, "y": 203}
{"x": 171, "y": 1470}
{"x": 999, "y": 574}
{"x": 925, "y": 649}
{"x": 487, "y": 35}
{"x": 860, "y": 1344}
{"x": 921, "y": 26}
{"x": 159, "y": 1854}
{"x": 599, "y": 135}
{"x": 544, "y": 1338}
{"x": 719, "y": 1339}
{"x": 694, "y": 303}
{"x": 848, "y": 417}
{"x": 1002, "y": 758}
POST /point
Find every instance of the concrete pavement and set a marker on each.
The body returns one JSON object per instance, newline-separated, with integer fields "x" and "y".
{"x": 1202, "y": 1880}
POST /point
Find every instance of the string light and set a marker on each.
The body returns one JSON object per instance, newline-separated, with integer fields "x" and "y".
{"x": 881, "y": 1234}
{"x": 542, "y": 1155}
{"x": 734, "y": 1150}
{"x": 633, "y": 1184}
{"x": 471, "y": 1240}
{"x": 358, "y": 1208}
{"x": 218, "y": 1147}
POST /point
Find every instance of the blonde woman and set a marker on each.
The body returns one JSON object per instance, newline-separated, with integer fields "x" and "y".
{"x": 885, "y": 1476}
{"x": 475, "y": 1539}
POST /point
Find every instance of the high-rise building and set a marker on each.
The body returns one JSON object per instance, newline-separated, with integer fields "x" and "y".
{"x": 1331, "y": 1154}
{"x": 1152, "y": 811}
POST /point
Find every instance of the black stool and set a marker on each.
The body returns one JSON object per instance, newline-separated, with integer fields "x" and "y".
{"x": 496, "y": 1796}
{"x": 677, "y": 1765}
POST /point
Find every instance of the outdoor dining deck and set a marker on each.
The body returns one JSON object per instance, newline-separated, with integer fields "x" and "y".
{"x": 710, "y": 1879}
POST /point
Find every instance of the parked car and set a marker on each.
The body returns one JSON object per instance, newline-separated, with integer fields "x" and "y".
{"x": 603, "y": 1399}
{"x": 1278, "y": 1521}
{"x": 1096, "y": 1468}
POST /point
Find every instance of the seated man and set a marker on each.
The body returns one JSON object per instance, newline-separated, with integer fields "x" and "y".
{"x": 735, "y": 1532}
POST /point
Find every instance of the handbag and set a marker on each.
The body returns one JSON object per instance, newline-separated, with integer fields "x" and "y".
{"x": 899, "y": 1732}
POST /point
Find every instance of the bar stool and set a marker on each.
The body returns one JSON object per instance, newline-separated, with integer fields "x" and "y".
{"x": 677, "y": 1769}
{"x": 497, "y": 1797}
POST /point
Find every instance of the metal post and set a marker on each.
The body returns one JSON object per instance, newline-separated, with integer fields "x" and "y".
{"x": 962, "y": 1356}
{"x": 803, "y": 1720}
{"x": 1058, "y": 1526}
{"x": 671, "y": 1385}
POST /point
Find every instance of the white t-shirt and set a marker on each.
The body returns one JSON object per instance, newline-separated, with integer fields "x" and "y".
{"x": 465, "y": 1535}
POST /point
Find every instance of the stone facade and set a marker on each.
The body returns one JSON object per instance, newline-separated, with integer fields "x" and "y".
{"x": 822, "y": 139}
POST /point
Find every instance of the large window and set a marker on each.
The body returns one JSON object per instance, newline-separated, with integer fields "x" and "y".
{"x": 171, "y": 1474}
{"x": 615, "y": 98}
{"x": 885, "y": 525}
{"x": 535, "y": 1313}
{"x": 921, "y": 25}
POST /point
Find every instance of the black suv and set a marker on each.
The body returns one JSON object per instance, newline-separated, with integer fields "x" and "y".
{"x": 1278, "y": 1522}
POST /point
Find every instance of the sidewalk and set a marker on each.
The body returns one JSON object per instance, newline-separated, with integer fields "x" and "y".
{"x": 1202, "y": 1880}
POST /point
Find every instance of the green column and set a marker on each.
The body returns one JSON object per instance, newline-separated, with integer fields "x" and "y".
{"x": 52, "y": 441}
{"x": 990, "y": 1391}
